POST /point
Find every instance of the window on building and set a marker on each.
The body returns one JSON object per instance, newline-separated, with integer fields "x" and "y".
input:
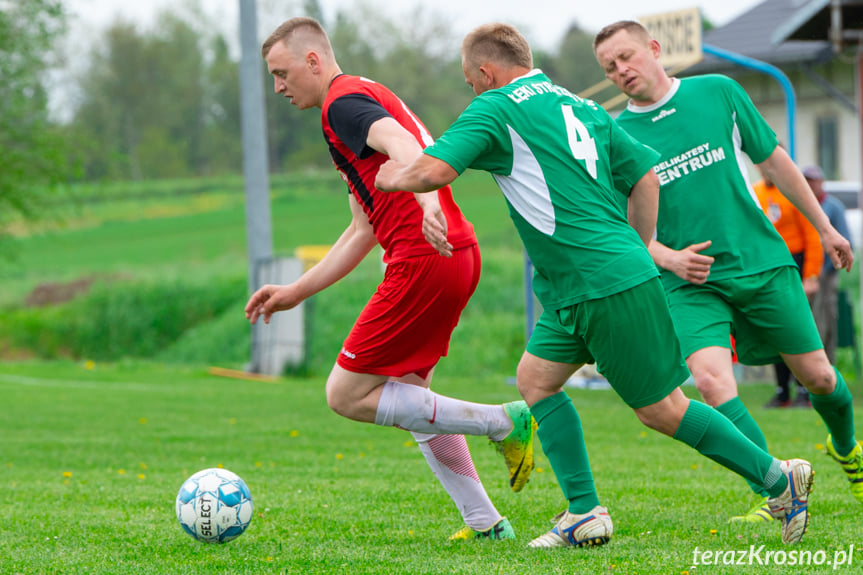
{"x": 828, "y": 146}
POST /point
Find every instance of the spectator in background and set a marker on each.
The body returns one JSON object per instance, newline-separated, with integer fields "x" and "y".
{"x": 825, "y": 305}
{"x": 802, "y": 240}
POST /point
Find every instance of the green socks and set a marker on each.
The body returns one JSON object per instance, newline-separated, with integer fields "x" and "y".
{"x": 713, "y": 435}
{"x": 562, "y": 438}
{"x": 838, "y": 415}
{"x": 737, "y": 413}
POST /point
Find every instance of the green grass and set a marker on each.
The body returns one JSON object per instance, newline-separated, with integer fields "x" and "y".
{"x": 333, "y": 495}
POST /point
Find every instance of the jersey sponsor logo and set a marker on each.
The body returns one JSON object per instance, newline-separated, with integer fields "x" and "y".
{"x": 348, "y": 354}
{"x": 688, "y": 162}
{"x": 663, "y": 114}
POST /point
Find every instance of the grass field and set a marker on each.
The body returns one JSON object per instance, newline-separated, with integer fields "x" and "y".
{"x": 91, "y": 461}
{"x": 92, "y": 454}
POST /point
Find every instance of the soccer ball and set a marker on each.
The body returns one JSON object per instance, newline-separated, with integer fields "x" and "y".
{"x": 214, "y": 506}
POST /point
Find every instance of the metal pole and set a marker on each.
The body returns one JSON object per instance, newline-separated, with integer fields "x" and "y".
{"x": 770, "y": 69}
{"x": 259, "y": 233}
{"x": 255, "y": 170}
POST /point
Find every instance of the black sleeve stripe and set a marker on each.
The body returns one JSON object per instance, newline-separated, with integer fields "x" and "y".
{"x": 350, "y": 117}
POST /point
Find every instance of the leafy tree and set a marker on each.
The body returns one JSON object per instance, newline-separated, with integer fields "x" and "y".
{"x": 32, "y": 162}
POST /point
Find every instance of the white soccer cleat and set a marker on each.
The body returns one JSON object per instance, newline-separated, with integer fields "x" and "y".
{"x": 792, "y": 507}
{"x": 585, "y": 530}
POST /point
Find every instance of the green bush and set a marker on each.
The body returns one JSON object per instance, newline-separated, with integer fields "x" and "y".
{"x": 117, "y": 320}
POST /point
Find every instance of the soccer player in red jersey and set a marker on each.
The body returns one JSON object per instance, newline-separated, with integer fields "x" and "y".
{"x": 383, "y": 372}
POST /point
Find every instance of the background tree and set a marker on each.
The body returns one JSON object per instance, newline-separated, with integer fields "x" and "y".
{"x": 32, "y": 159}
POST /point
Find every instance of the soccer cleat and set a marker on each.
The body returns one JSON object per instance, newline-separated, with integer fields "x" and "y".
{"x": 497, "y": 532}
{"x": 777, "y": 403}
{"x": 853, "y": 466}
{"x": 517, "y": 447}
{"x": 792, "y": 506}
{"x": 801, "y": 401}
{"x": 759, "y": 513}
{"x": 588, "y": 529}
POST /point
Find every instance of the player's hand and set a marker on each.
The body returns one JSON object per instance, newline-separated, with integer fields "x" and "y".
{"x": 810, "y": 287}
{"x": 691, "y": 265}
{"x": 270, "y": 299}
{"x": 434, "y": 226}
{"x": 839, "y": 250}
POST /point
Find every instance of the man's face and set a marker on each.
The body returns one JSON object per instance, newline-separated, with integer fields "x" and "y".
{"x": 474, "y": 78}
{"x": 631, "y": 63}
{"x": 293, "y": 76}
{"x": 817, "y": 187}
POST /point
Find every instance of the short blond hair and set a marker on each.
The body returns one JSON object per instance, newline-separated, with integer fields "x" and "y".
{"x": 635, "y": 29}
{"x": 499, "y": 43}
{"x": 295, "y": 26}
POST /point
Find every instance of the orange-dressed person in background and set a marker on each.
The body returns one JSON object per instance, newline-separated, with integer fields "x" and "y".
{"x": 805, "y": 246}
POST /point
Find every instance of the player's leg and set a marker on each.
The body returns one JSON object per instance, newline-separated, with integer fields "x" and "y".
{"x": 405, "y": 328}
{"x": 553, "y": 354}
{"x": 832, "y": 400}
{"x": 779, "y": 314}
{"x": 702, "y": 319}
{"x": 713, "y": 373}
{"x": 698, "y": 425}
{"x": 584, "y": 522}
{"x": 648, "y": 380}
{"x": 382, "y": 400}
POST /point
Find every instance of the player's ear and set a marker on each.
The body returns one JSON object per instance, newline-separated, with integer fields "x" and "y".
{"x": 655, "y": 48}
{"x": 313, "y": 61}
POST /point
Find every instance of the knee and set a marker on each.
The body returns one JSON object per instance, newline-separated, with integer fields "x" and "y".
{"x": 337, "y": 399}
{"x": 715, "y": 387}
{"x": 820, "y": 380}
{"x": 523, "y": 381}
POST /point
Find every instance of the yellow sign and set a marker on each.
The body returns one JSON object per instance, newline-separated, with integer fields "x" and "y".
{"x": 679, "y": 35}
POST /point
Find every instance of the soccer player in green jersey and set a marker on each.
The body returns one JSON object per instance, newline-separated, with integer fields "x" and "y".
{"x": 561, "y": 163}
{"x": 724, "y": 267}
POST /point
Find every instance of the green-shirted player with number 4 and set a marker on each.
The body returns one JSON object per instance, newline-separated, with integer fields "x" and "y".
{"x": 561, "y": 163}
{"x": 725, "y": 269}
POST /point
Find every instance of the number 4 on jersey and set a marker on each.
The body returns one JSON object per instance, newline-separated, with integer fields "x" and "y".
{"x": 583, "y": 147}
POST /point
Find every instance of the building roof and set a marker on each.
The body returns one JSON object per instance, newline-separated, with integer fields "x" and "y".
{"x": 751, "y": 34}
{"x": 812, "y": 21}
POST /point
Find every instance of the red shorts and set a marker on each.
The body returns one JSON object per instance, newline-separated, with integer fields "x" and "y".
{"x": 406, "y": 325}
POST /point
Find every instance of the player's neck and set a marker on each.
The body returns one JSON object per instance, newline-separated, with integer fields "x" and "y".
{"x": 659, "y": 91}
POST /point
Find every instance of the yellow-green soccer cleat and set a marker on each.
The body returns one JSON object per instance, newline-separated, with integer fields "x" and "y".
{"x": 759, "y": 513}
{"x": 497, "y": 532}
{"x": 853, "y": 466}
{"x": 792, "y": 507}
{"x": 517, "y": 447}
{"x": 585, "y": 530}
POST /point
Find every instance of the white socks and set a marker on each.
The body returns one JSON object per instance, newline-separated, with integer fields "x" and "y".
{"x": 419, "y": 409}
{"x": 449, "y": 459}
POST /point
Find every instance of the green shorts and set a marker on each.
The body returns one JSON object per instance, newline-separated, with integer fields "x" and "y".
{"x": 767, "y": 313}
{"x": 629, "y": 335}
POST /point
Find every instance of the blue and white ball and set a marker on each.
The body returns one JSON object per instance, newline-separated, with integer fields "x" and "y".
{"x": 214, "y": 506}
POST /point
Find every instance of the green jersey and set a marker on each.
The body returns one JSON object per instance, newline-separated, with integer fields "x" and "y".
{"x": 561, "y": 163}
{"x": 701, "y": 129}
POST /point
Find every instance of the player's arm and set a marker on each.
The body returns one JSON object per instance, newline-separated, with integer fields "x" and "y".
{"x": 423, "y": 174}
{"x": 391, "y": 138}
{"x": 782, "y": 170}
{"x": 353, "y": 245}
{"x": 644, "y": 205}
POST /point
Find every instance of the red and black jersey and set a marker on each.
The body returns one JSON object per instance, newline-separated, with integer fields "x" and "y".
{"x": 352, "y": 105}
